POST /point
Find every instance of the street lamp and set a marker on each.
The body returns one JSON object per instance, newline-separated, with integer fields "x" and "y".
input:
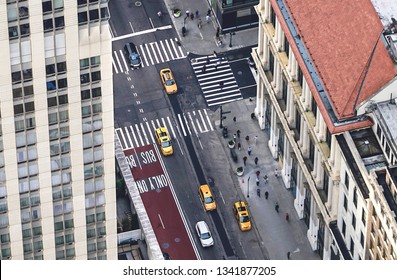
{"x": 231, "y": 34}
{"x": 248, "y": 187}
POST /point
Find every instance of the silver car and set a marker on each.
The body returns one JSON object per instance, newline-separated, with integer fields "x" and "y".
{"x": 204, "y": 234}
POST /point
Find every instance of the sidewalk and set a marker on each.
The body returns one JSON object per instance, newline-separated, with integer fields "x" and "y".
{"x": 203, "y": 41}
{"x": 279, "y": 235}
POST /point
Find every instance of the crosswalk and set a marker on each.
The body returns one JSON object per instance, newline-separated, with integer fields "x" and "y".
{"x": 216, "y": 80}
{"x": 151, "y": 54}
{"x": 142, "y": 134}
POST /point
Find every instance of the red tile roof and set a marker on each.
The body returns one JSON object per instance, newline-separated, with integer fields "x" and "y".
{"x": 340, "y": 36}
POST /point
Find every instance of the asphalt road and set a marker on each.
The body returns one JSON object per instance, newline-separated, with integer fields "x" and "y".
{"x": 141, "y": 103}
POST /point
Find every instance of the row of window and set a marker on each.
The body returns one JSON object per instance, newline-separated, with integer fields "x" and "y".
{"x": 17, "y": 31}
{"x": 93, "y": 15}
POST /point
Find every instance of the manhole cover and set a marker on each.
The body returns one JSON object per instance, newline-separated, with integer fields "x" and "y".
{"x": 166, "y": 245}
{"x": 138, "y": 3}
{"x": 240, "y": 73}
{"x": 177, "y": 240}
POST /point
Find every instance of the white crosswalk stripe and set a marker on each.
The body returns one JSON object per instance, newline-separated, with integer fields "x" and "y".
{"x": 151, "y": 54}
{"x": 216, "y": 80}
{"x": 141, "y": 134}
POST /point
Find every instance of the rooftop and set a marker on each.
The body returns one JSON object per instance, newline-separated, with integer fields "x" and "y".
{"x": 345, "y": 50}
{"x": 386, "y": 113}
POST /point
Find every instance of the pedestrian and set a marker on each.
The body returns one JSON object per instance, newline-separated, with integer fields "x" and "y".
{"x": 256, "y": 160}
{"x": 252, "y": 116}
{"x": 289, "y": 255}
{"x": 258, "y": 192}
{"x": 221, "y": 84}
{"x": 199, "y": 24}
{"x": 287, "y": 217}
{"x": 247, "y": 138}
{"x": 208, "y": 60}
{"x": 245, "y": 159}
{"x": 187, "y": 13}
{"x": 207, "y": 18}
{"x": 159, "y": 13}
{"x": 257, "y": 173}
{"x": 266, "y": 194}
{"x": 276, "y": 172}
{"x": 215, "y": 54}
{"x": 238, "y": 134}
{"x": 197, "y": 13}
{"x": 209, "y": 12}
{"x": 204, "y": 69}
{"x": 257, "y": 181}
{"x": 239, "y": 146}
{"x": 234, "y": 137}
{"x": 191, "y": 16}
{"x": 249, "y": 150}
{"x": 234, "y": 119}
{"x": 265, "y": 178}
{"x": 276, "y": 207}
{"x": 256, "y": 139}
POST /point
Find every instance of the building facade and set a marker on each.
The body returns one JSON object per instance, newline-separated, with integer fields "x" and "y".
{"x": 57, "y": 171}
{"x": 233, "y": 15}
{"x": 311, "y": 100}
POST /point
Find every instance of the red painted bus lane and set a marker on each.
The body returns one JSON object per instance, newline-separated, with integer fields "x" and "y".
{"x": 155, "y": 190}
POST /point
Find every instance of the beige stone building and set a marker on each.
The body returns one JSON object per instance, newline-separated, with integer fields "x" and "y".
{"x": 320, "y": 69}
{"x": 57, "y": 189}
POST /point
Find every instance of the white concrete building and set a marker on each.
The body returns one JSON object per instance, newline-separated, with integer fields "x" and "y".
{"x": 57, "y": 168}
{"x": 319, "y": 66}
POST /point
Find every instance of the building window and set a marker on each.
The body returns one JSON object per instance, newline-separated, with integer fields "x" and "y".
{"x": 354, "y": 221}
{"x": 328, "y": 138}
{"x": 362, "y": 239}
{"x": 271, "y": 64}
{"x": 284, "y": 88}
{"x": 345, "y": 202}
{"x": 272, "y": 17}
{"x": 311, "y": 155}
{"x": 314, "y": 106}
{"x": 352, "y": 247}
{"x": 94, "y": 15}
{"x": 326, "y": 184}
{"x": 83, "y": 17}
{"x": 355, "y": 197}
{"x": 346, "y": 180}
{"x": 300, "y": 76}
{"x": 286, "y": 45}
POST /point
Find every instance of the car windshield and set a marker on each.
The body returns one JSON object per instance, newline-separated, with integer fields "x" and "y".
{"x": 166, "y": 144}
{"x": 205, "y": 235}
{"x": 209, "y": 200}
{"x": 169, "y": 82}
{"x": 244, "y": 219}
{"x": 135, "y": 58}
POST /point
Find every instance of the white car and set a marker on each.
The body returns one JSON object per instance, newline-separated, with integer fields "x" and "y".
{"x": 204, "y": 234}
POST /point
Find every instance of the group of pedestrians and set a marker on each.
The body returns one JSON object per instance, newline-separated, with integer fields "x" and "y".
{"x": 197, "y": 15}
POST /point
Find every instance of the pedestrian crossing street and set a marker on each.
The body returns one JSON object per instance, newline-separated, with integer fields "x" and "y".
{"x": 211, "y": 72}
{"x": 151, "y": 54}
{"x": 142, "y": 134}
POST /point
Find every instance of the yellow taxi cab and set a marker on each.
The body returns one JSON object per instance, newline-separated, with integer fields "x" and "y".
{"x": 241, "y": 213}
{"x": 168, "y": 81}
{"x": 207, "y": 198}
{"x": 164, "y": 141}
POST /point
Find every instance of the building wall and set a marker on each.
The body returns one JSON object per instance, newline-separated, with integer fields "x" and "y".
{"x": 305, "y": 141}
{"x": 311, "y": 161}
{"x": 57, "y": 173}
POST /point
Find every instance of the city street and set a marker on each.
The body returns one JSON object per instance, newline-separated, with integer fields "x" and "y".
{"x": 205, "y": 82}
